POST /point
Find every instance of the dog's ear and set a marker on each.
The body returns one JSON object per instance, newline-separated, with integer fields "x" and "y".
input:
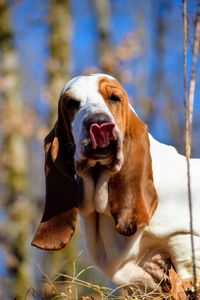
{"x": 133, "y": 198}
{"x": 62, "y": 192}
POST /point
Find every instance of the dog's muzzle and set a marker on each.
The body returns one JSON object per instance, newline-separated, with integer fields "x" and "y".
{"x": 101, "y": 145}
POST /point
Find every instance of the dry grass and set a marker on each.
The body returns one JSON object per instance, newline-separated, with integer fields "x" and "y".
{"x": 73, "y": 287}
{"x": 68, "y": 287}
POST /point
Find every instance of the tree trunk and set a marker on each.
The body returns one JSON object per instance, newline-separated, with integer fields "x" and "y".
{"x": 15, "y": 231}
{"x": 58, "y": 64}
{"x": 108, "y": 61}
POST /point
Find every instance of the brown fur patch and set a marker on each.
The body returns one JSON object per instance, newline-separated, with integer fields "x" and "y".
{"x": 109, "y": 87}
{"x": 133, "y": 198}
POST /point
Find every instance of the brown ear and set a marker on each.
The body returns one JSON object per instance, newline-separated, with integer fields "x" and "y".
{"x": 62, "y": 192}
{"x": 133, "y": 198}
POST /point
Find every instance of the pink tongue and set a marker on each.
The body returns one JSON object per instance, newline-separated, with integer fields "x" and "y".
{"x": 101, "y": 135}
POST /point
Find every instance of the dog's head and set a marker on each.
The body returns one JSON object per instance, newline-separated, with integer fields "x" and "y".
{"x": 97, "y": 107}
{"x": 96, "y": 126}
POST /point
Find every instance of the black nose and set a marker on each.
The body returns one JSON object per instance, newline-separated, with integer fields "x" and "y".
{"x": 95, "y": 119}
{"x": 127, "y": 229}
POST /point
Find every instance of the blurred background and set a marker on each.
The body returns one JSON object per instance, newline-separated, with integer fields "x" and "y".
{"x": 42, "y": 45}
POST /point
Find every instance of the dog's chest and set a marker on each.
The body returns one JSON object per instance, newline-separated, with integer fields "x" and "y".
{"x": 117, "y": 255}
{"x": 107, "y": 247}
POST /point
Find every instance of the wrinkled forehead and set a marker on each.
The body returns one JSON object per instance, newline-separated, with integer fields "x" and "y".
{"x": 85, "y": 88}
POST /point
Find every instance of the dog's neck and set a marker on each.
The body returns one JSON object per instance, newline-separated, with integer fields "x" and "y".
{"x": 96, "y": 172}
{"x": 95, "y": 191}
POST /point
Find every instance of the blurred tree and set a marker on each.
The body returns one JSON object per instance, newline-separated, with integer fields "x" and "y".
{"x": 164, "y": 107}
{"x": 58, "y": 63}
{"x": 58, "y": 69}
{"x": 107, "y": 59}
{"x": 110, "y": 57}
{"x": 169, "y": 107}
{"x": 15, "y": 230}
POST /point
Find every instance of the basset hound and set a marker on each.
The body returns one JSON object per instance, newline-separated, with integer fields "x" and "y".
{"x": 129, "y": 189}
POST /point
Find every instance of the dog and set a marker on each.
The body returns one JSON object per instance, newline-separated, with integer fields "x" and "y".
{"x": 129, "y": 189}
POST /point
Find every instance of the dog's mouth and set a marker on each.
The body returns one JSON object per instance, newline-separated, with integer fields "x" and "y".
{"x": 105, "y": 157}
{"x": 102, "y": 134}
{"x": 100, "y": 142}
{"x": 102, "y": 145}
{"x": 100, "y": 153}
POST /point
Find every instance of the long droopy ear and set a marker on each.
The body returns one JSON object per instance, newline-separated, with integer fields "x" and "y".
{"x": 133, "y": 198}
{"x": 62, "y": 193}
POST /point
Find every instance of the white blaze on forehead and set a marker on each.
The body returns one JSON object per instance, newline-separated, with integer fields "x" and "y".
{"x": 82, "y": 85}
{"x": 86, "y": 90}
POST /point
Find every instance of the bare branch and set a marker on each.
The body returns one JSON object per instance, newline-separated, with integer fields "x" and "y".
{"x": 189, "y": 104}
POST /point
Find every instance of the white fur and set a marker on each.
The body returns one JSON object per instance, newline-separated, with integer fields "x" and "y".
{"x": 126, "y": 259}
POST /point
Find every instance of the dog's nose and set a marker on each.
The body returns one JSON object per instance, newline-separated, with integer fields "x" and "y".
{"x": 95, "y": 119}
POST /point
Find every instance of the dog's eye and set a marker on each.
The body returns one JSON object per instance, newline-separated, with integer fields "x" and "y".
{"x": 114, "y": 98}
{"x": 73, "y": 104}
